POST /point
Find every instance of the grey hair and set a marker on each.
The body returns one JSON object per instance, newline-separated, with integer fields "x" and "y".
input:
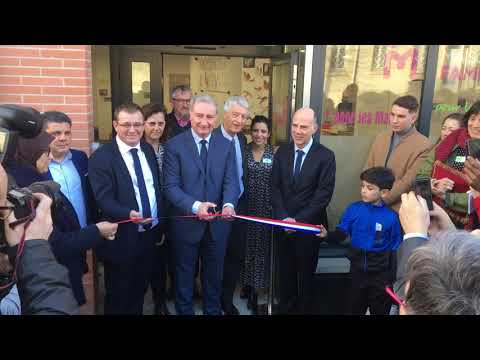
{"x": 444, "y": 276}
{"x": 181, "y": 88}
{"x": 235, "y": 100}
{"x": 203, "y": 98}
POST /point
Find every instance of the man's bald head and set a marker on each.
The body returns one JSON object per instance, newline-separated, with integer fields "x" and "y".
{"x": 304, "y": 125}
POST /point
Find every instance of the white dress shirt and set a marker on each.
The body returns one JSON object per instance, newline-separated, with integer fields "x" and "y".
{"x": 305, "y": 150}
{"x": 147, "y": 175}
{"x": 197, "y": 140}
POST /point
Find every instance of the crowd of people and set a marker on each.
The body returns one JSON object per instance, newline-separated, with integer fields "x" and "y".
{"x": 158, "y": 202}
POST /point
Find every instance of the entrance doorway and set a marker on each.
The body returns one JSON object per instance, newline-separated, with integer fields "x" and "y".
{"x": 266, "y": 77}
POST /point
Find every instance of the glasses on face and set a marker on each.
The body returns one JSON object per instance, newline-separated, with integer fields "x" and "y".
{"x": 184, "y": 101}
{"x": 128, "y": 125}
{"x": 238, "y": 115}
{"x": 395, "y": 297}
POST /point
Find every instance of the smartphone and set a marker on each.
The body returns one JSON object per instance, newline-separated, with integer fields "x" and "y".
{"x": 423, "y": 188}
{"x": 473, "y": 147}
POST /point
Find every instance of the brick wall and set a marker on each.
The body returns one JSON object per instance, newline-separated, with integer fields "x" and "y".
{"x": 51, "y": 77}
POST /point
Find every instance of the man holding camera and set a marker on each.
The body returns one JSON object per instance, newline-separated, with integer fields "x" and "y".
{"x": 43, "y": 284}
{"x": 125, "y": 181}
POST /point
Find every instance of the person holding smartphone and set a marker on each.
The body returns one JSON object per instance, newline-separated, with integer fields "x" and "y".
{"x": 450, "y": 190}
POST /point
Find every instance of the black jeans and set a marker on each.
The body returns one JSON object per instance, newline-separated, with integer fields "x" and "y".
{"x": 367, "y": 290}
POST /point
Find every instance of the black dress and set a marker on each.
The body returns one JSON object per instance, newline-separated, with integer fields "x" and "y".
{"x": 255, "y": 270}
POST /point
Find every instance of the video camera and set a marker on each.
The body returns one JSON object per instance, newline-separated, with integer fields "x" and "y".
{"x": 28, "y": 123}
{"x": 17, "y": 121}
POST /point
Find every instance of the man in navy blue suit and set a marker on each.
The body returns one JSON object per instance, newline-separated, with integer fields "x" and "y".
{"x": 200, "y": 174}
{"x": 125, "y": 181}
{"x": 69, "y": 168}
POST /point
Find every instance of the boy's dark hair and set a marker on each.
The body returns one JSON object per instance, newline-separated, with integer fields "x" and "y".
{"x": 408, "y": 102}
{"x": 381, "y": 176}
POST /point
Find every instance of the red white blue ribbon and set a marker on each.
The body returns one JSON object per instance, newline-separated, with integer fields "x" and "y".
{"x": 290, "y": 225}
{"x": 284, "y": 224}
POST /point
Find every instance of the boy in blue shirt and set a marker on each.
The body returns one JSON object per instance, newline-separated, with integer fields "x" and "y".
{"x": 375, "y": 233}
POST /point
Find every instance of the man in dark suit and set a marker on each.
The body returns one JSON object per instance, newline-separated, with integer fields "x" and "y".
{"x": 199, "y": 174}
{"x": 69, "y": 168}
{"x": 178, "y": 120}
{"x": 125, "y": 181}
{"x": 303, "y": 182}
{"x": 236, "y": 112}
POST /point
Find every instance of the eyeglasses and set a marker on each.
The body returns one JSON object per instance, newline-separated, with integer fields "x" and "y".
{"x": 128, "y": 126}
{"x": 394, "y": 296}
{"x": 237, "y": 115}
{"x": 185, "y": 101}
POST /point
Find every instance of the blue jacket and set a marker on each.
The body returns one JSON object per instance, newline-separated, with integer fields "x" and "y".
{"x": 374, "y": 231}
{"x": 185, "y": 182}
{"x": 113, "y": 190}
{"x": 68, "y": 241}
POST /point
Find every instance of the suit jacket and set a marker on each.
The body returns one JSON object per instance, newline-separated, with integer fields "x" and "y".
{"x": 68, "y": 241}
{"x": 43, "y": 284}
{"x": 404, "y": 251}
{"x": 405, "y": 160}
{"x": 115, "y": 196}
{"x": 243, "y": 147}
{"x": 307, "y": 200}
{"x": 185, "y": 182}
{"x": 173, "y": 128}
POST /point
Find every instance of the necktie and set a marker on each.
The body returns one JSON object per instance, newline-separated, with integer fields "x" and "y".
{"x": 238, "y": 154}
{"x": 142, "y": 188}
{"x": 298, "y": 164}
{"x": 203, "y": 154}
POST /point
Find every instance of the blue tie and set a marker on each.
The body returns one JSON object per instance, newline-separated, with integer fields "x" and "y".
{"x": 298, "y": 164}
{"x": 142, "y": 188}
{"x": 203, "y": 154}
{"x": 238, "y": 154}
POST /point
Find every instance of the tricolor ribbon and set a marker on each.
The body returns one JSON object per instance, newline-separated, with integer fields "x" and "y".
{"x": 290, "y": 225}
{"x": 284, "y": 224}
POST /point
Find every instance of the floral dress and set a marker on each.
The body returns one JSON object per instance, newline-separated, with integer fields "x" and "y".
{"x": 255, "y": 270}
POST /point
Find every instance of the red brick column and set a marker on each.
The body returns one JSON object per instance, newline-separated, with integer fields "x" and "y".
{"x": 53, "y": 77}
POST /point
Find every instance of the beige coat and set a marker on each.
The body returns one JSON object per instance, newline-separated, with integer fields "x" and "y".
{"x": 405, "y": 160}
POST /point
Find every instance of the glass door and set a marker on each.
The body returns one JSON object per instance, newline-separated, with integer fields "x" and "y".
{"x": 140, "y": 76}
{"x": 286, "y": 97}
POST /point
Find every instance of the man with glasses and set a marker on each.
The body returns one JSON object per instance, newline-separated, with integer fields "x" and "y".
{"x": 179, "y": 119}
{"x": 236, "y": 112}
{"x": 125, "y": 181}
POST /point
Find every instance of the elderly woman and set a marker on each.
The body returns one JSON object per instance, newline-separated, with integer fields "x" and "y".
{"x": 449, "y": 158}
{"x": 156, "y": 133}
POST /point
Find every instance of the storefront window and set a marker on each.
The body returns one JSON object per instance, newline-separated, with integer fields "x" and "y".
{"x": 456, "y": 83}
{"x": 361, "y": 83}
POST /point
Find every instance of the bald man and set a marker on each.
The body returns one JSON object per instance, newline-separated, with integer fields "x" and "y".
{"x": 303, "y": 183}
